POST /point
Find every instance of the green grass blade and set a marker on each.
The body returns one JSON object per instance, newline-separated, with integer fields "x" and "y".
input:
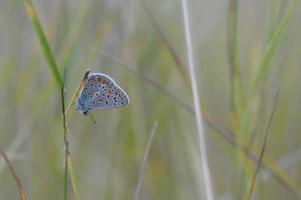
{"x": 73, "y": 37}
{"x": 179, "y": 65}
{"x": 272, "y": 44}
{"x": 30, "y": 9}
{"x": 74, "y": 181}
{"x": 273, "y": 8}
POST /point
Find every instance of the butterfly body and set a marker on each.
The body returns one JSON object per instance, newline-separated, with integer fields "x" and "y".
{"x": 100, "y": 92}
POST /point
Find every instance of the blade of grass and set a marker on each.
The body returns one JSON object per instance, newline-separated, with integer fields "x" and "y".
{"x": 270, "y": 20}
{"x": 43, "y": 41}
{"x": 286, "y": 162}
{"x": 73, "y": 176}
{"x": 20, "y": 187}
{"x": 180, "y": 66}
{"x": 250, "y": 151}
{"x": 235, "y": 84}
{"x": 72, "y": 37}
{"x": 197, "y": 108}
{"x": 275, "y": 39}
{"x": 253, "y": 180}
{"x": 145, "y": 156}
{"x": 66, "y": 144}
{"x": 236, "y": 94}
{"x": 78, "y": 89}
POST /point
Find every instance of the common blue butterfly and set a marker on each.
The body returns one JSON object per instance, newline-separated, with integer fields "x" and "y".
{"x": 100, "y": 92}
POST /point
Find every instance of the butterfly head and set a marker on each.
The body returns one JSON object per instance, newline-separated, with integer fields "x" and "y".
{"x": 81, "y": 107}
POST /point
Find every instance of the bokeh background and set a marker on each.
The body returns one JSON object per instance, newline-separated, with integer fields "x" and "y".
{"x": 142, "y": 46}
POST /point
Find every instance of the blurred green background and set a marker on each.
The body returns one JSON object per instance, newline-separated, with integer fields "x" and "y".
{"x": 149, "y": 38}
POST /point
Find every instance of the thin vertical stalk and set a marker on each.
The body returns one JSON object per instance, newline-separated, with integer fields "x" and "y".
{"x": 265, "y": 141}
{"x": 236, "y": 94}
{"x": 232, "y": 54}
{"x": 30, "y": 9}
{"x": 179, "y": 65}
{"x": 275, "y": 39}
{"x": 145, "y": 156}
{"x": 235, "y": 82}
{"x": 66, "y": 144}
{"x": 196, "y": 100}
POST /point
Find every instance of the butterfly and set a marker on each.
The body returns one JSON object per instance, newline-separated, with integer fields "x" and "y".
{"x": 100, "y": 92}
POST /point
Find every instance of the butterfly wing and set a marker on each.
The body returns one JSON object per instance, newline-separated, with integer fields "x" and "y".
{"x": 101, "y": 92}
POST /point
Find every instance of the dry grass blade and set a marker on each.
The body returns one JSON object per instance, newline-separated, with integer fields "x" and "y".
{"x": 272, "y": 44}
{"x": 208, "y": 190}
{"x": 14, "y": 174}
{"x": 171, "y": 49}
{"x": 73, "y": 176}
{"x": 142, "y": 168}
{"x": 253, "y": 180}
{"x": 78, "y": 89}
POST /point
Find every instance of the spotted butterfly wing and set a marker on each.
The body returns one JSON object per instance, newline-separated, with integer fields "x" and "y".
{"x": 101, "y": 92}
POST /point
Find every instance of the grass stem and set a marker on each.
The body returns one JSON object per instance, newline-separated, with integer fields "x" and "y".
{"x": 253, "y": 180}
{"x": 201, "y": 136}
{"x": 55, "y": 72}
{"x": 145, "y": 156}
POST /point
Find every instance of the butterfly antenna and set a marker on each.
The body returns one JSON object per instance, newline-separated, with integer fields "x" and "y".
{"x": 93, "y": 120}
